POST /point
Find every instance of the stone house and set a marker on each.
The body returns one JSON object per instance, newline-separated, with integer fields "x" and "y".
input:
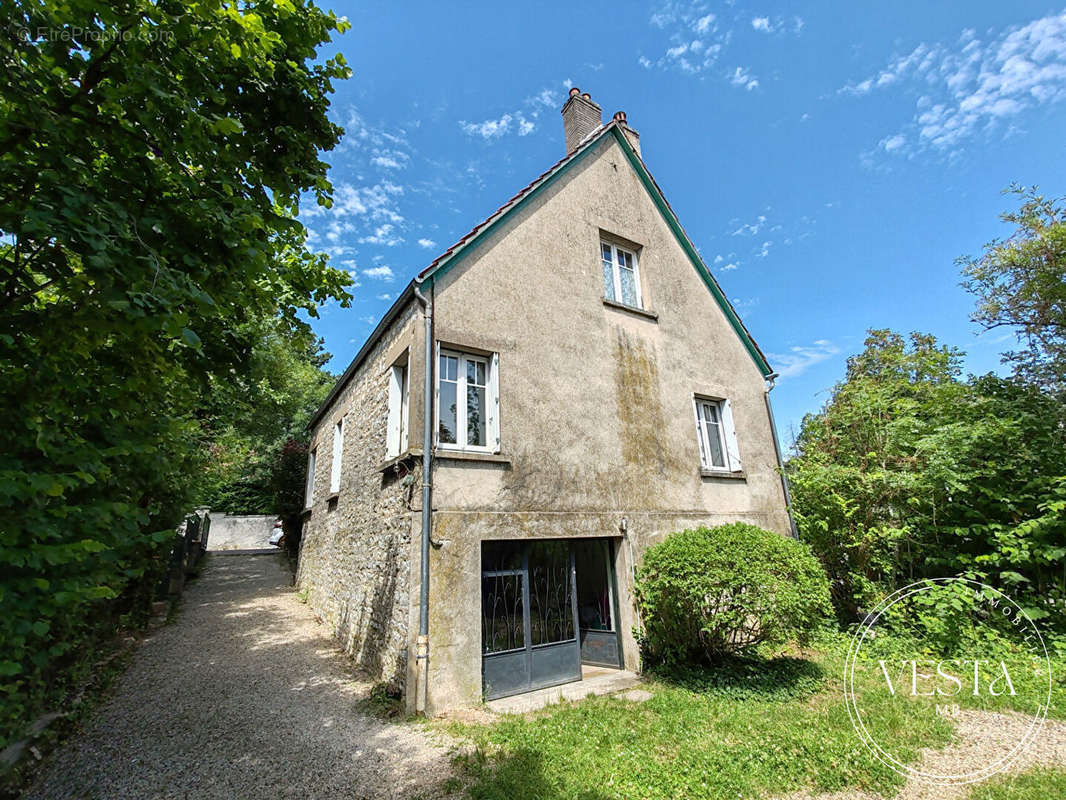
{"x": 474, "y": 532}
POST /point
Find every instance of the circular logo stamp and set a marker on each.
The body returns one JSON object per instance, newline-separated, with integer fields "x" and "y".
{"x": 957, "y": 646}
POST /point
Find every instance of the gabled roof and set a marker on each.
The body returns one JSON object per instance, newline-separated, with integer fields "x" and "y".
{"x": 469, "y": 242}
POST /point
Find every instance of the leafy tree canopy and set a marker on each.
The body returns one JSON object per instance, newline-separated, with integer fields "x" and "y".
{"x": 152, "y": 154}
{"x": 910, "y": 471}
{"x": 1020, "y": 283}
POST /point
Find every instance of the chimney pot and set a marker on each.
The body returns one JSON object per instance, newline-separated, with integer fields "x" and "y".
{"x": 620, "y": 116}
{"x": 581, "y": 117}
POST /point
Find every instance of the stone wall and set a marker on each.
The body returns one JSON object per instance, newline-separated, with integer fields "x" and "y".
{"x": 241, "y": 531}
{"x": 355, "y": 552}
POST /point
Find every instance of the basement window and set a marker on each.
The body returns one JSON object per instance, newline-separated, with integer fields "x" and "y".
{"x": 468, "y": 401}
{"x": 621, "y": 275}
{"x": 717, "y": 435}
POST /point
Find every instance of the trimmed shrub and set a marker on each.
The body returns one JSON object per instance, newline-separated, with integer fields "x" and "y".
{"x": 711, "y": 593}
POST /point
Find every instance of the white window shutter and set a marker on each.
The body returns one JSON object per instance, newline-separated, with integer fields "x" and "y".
{"x": 338, "y": 454}
{"x": 494, "y": 402}
{"x": 731, "y": 437}
{"x": 405, "y": 402}
{"x": 699, "y": 433}
{"x": 392, "y": 429}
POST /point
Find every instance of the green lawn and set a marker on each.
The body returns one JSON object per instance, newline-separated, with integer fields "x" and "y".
{"x": 1039, "y": 784}
{"x": 752, "y": 730}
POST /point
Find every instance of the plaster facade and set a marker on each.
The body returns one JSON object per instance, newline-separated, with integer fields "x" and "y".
{"x": 597, "y": 431}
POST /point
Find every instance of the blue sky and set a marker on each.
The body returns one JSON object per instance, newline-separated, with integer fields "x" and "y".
{"x": 829, "y": 164}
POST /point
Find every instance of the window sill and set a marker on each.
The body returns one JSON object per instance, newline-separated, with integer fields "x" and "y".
{"x": 471, "y": 455}
{"x": 640, "y": 312}
{"x": 738, "y": 475}
{"x": 332, "y": 496}
{"x": 401, "y": 459}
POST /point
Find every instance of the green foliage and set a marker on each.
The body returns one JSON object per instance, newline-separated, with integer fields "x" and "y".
{"x": 150, "y": 169}
{"x": 1020, "y": 283}
{"x": 700, "y": 602}
{"x": 247, "y": 418}
{"x": 909, "y": 472}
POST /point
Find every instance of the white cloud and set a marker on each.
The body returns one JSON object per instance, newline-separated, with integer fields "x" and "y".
{"x": 382, "y": 235}
{"x": 761, "y": 24}
{"x": 645, "y": 62}
{"x": 741, "y": 77}
{"x": 799, "y": 359}
{"x": 703, "y": 23}
{"x": 384, "y": 296}
{"x": 489, "y": 129}
{"x": 764, "y": 251}
{"x": 732, "y": 265}
{"x": 383, "y": 273}
{"x": 891, "y": 143}
{"x": 426, "y": 243}
{"x": 974, "y": 86}
{"x": 749, "y": 228}
{"x": 522, "y": 121}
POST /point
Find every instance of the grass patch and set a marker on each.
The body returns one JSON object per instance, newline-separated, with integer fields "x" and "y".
{"x": 1037, "y": 784}
{"x": 747, "y": 729}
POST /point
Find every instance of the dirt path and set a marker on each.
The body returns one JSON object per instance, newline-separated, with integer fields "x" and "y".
{"x": 243, "y": 696}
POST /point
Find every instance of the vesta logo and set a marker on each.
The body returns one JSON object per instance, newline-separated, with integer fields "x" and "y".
{"x": 950, "y": 677}
{"x": 935, "y": 656}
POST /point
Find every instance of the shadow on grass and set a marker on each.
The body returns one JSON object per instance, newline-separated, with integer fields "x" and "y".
{"x": 519, "y": 774}
{"x": 775, "y": 679}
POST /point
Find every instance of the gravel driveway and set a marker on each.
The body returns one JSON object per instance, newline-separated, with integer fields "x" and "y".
{"x": 244, "y": 696}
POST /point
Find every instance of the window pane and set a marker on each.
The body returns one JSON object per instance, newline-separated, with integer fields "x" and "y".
{"x": 475, "y": 373}
{"x": 605, "y": 251}
{"x": 629, "y": 287}
{"x": 625, "y": 259}
{"x": 449, "y": 368}
{"x": 501, "y": 613}
{"x": 551, "y": 613}
{"x": 501, "y": 556}
{"x": 447, "y": 422}
{"x": 713, "y": 428}
{"x": 608, "y": 279}
{"x": 476, "y": 414}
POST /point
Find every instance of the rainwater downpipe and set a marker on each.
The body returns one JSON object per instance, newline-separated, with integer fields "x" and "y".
{"x": 422, "y": 643}
{"x": 777, "y": 449}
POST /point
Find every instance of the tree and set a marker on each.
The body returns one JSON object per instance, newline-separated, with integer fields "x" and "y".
{"x": 152, "y": 155}
{"x": 911, "y": 472}
{"x": 1020, "y": 283}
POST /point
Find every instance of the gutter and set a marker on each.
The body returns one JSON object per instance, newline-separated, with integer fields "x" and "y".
{"x": 422, "y": 643}
{"x": 777, "y": 449}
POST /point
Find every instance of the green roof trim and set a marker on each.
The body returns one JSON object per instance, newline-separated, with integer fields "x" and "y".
{"x": 664, "y": 209}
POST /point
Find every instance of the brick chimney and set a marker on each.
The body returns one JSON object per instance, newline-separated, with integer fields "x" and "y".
{"x": 580, "y": 118}
{"x": 631, "y": 135}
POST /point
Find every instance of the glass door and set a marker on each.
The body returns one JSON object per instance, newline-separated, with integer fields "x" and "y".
{"x": 528, "y": 616}
{"x": 597, "y": 605}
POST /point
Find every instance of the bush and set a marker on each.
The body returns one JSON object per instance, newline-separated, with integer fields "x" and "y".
{"x": 710, "y": 593}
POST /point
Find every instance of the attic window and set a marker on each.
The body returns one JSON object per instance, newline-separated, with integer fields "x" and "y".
{"x": 621, "y": 276}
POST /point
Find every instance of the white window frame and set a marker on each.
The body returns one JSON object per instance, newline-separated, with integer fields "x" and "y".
{"x": 616, "y": 269}
{"x": 726, "y": 432}
{"x": 338, "y": 457}
{"x": 397, "y": 424}
{"x": 309, "y": 487}
{"x": 492, "y": 400}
